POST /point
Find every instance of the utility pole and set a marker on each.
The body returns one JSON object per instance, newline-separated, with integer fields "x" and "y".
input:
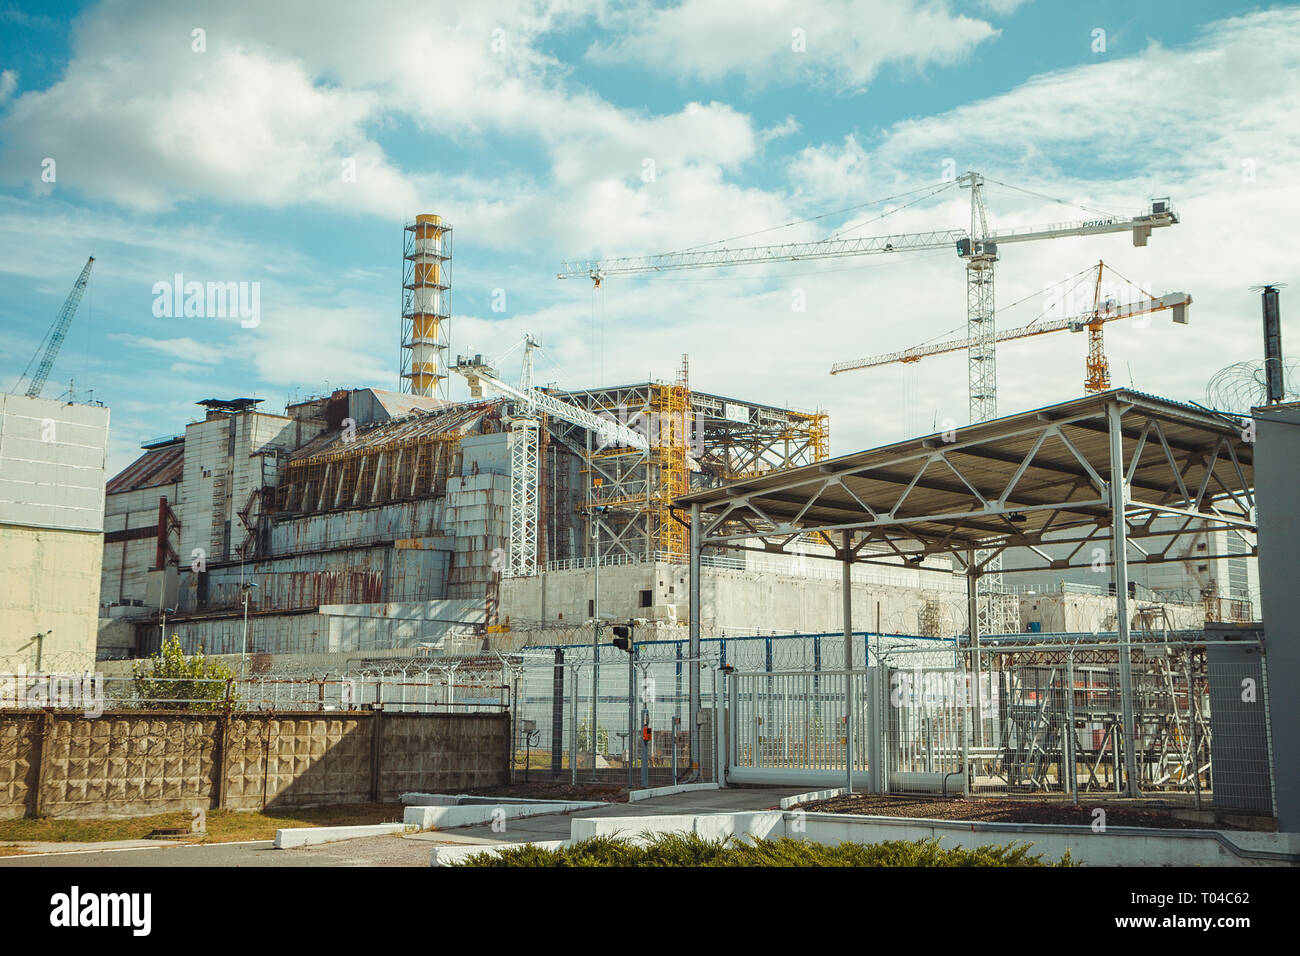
{"x": 246, "y": 588}
{"x": 595, "y": 613}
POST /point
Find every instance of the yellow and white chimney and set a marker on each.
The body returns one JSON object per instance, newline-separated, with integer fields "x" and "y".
{"x": 426, "y": 306}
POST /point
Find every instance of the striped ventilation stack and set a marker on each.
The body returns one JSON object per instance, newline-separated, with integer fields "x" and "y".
{"x": 426, "y": 306}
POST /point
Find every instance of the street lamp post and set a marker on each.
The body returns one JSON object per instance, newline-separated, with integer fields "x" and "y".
{"x": 247, "y": 588}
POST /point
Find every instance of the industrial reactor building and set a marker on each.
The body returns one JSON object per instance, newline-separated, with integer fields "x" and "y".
{"x": 370, "y": 522}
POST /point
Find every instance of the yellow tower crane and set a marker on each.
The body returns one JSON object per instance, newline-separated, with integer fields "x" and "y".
{"x": 1097, "y": 378}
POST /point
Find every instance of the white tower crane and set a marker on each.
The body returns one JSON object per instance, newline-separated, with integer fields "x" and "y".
{"x": 977, "y": 246}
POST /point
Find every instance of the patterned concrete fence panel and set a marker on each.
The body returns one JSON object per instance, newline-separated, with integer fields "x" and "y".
{"x": 124, "y": 764}
{"x": 19, "y": 762}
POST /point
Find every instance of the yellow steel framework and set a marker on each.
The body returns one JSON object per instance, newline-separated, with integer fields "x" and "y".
{"x": 671, "y": 404}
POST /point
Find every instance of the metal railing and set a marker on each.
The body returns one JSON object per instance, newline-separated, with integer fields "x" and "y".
{"x": 1029, "y": 719}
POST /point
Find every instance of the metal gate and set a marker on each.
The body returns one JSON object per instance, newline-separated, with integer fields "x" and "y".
{"x": 791, "y": 727}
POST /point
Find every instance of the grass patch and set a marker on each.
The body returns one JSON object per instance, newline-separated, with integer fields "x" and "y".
{"x": 222, "y": 825}
{"x": 689, "y": 849}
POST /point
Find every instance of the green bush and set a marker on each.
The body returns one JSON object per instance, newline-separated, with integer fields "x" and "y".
{"x": 171, "y": 681}
{"x": 689, "y": 849}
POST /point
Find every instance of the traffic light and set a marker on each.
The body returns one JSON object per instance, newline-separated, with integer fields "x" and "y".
{"x": 622, "y": 637}
{"x": 645, "y": 734}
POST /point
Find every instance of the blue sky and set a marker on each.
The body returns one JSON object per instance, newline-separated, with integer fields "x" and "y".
{"x": 527, "y": 125}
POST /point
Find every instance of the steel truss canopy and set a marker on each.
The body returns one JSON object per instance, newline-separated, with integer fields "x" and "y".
{"x": 1035, "y": 488}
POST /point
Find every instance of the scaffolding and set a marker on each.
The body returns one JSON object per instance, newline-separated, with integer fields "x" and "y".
{"x": 697, "y": 439}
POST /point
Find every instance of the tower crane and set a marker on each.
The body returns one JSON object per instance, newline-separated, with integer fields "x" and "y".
{"x": 58, "y": 332}
{"x": 1103, "y": 311}
{"x": 977, "y": 246}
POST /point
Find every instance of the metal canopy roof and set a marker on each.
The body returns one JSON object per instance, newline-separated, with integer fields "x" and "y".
{"x": 1022, "y": 480}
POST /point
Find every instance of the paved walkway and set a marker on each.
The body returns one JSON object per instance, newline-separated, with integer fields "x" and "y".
{"x": 393, "y": 849}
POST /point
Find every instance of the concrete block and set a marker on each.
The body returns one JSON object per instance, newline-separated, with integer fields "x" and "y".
{"x": 763, "y": 824}
{"x": 448, "y": 817}
{"x": 789, "y": 802}
{"x": 647, "y": 794}
{"x": 312, "y": 836}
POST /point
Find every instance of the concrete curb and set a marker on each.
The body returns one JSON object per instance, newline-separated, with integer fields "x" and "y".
{"x": 423, "y": 817}
{"x": 464, "y": 800}
{"x": 1117, "y": 846}
{"x": 790, "y": 802}
{"x": 763, "y": 824}
{"x": 668, "y": 791}
{"x": 1142, "y": 846}
{"x": 311, "y": 836}
{"x": 452, "y": 855}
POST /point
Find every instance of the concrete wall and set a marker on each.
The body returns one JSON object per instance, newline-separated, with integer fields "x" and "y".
{"x": 127, "y": 764}
{"x": 478, "y": 521}
{"x": 739, "y": 601}
{"x": 52, "y": 461}
{"x": 49, "y": 582}
{"x": 217, "y": 483}
{"x": 330, "y": 629}
{"x": 352, "y": 576}
{"x": 403, "y": 520}
{"x": 1075, "y": 612}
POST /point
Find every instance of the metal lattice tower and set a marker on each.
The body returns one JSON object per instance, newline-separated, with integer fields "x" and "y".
{"x": 523, "y": 496}
{"x": 982, "y": 378}
{"x": 426, "y": 306}
{"x": 980, "y": 254}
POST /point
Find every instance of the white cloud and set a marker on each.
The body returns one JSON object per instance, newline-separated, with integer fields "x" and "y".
{"x": 1160, "y": 122}
{"x": 8, "y": 83}
{"x": 843, "y": 43}
{"x": 1003, "y": 8}
{"x": 832, "y": 172}
{"x": 1179, "y": 122}
{"x": 185, "y": 348}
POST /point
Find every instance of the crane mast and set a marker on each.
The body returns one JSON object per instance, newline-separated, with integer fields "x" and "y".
{"x": 59, "y": 331}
